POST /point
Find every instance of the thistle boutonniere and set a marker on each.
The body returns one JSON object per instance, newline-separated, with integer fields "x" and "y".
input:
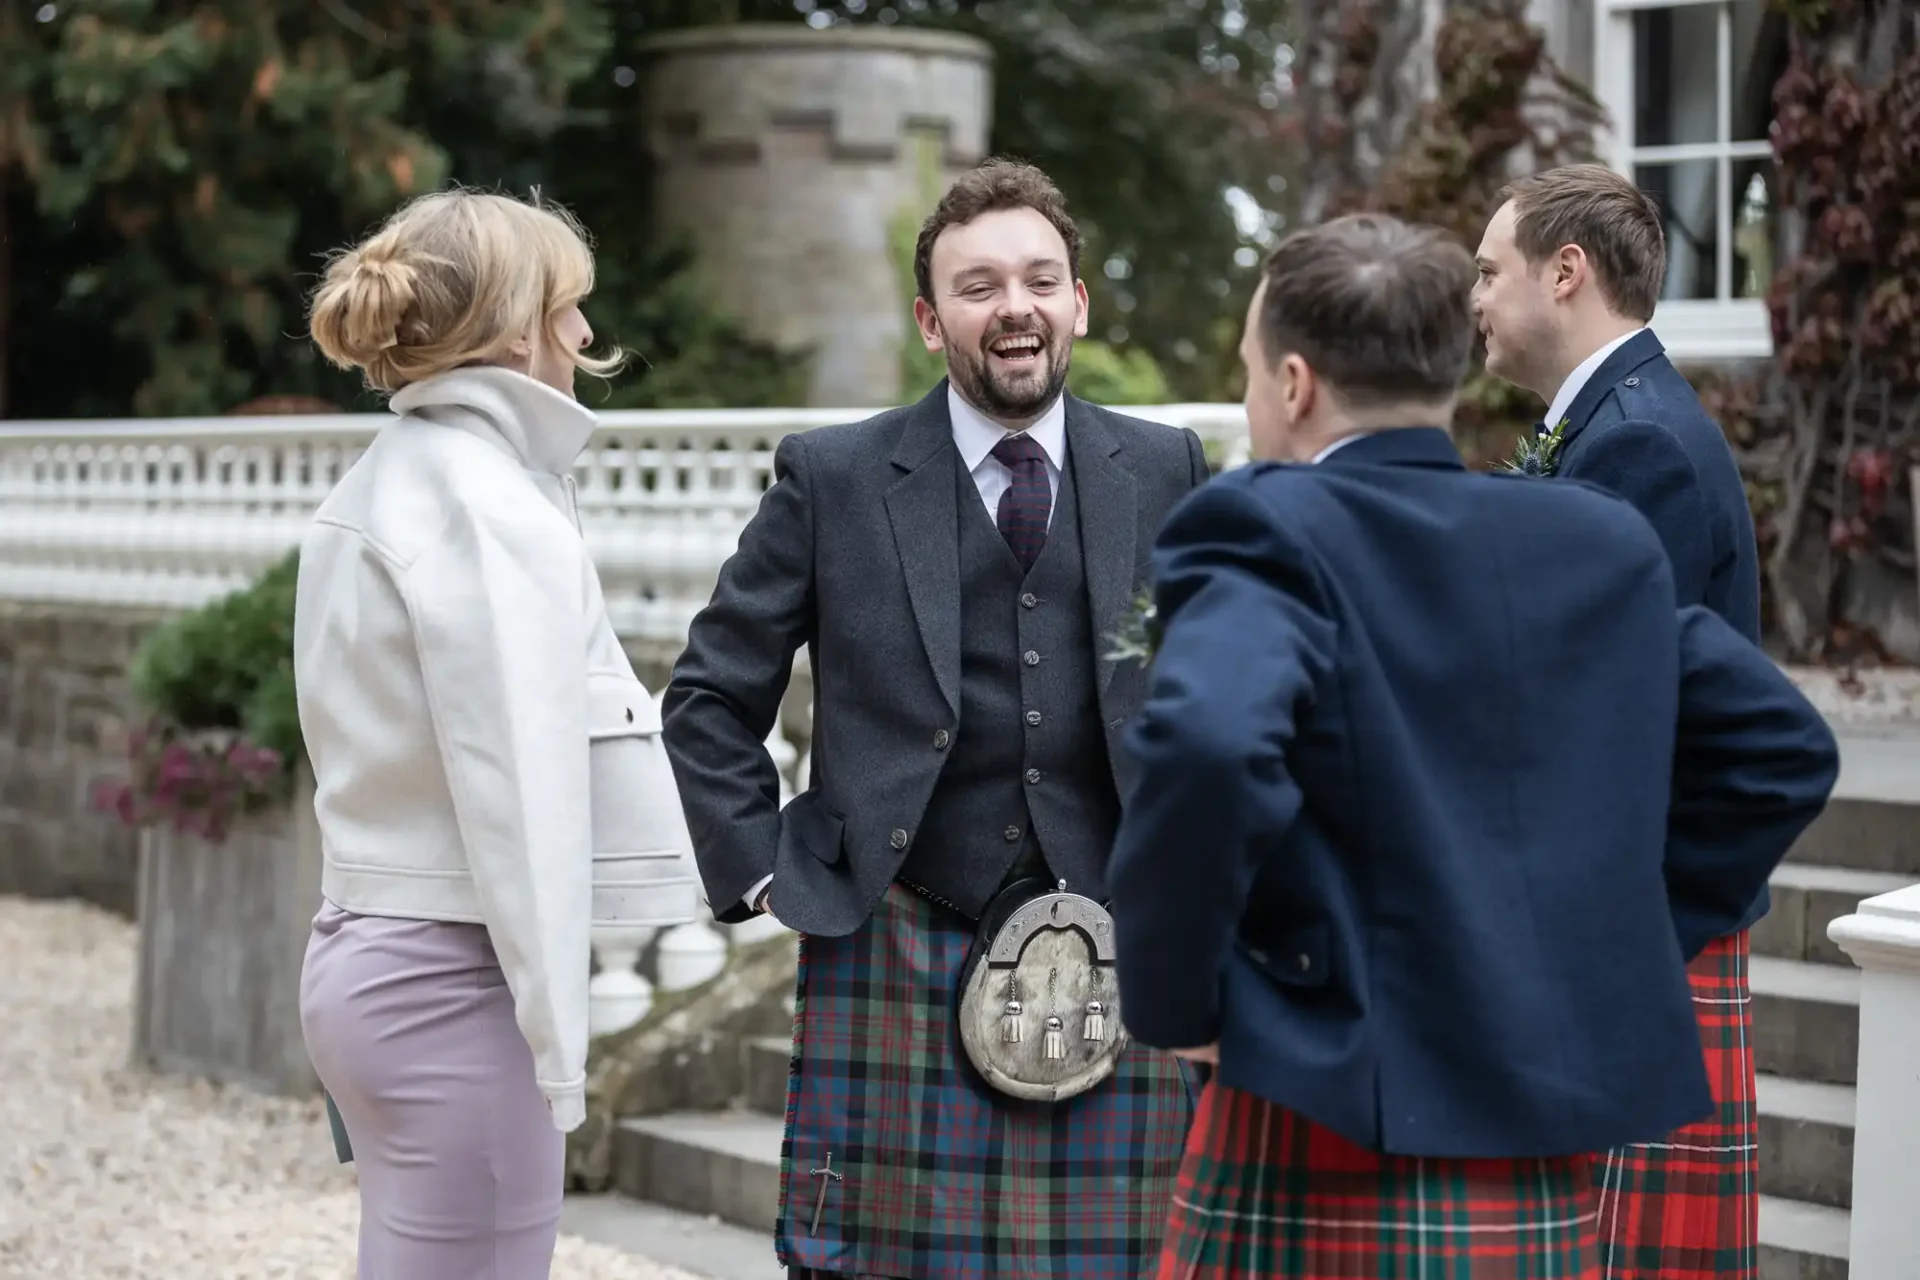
{"x": 1138, "y": 638}
{"x": 1538, "y": 455}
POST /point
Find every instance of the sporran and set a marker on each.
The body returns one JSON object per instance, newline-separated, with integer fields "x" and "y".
{"x": 1039, "y": 1003}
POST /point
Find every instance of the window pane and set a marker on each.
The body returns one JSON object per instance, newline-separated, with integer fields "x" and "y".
{"x": 1676, "y": 75}
{"x": 1759, "y": 58}
{"x": 1755, "y": 228}
{"x": 1688, "y": 193}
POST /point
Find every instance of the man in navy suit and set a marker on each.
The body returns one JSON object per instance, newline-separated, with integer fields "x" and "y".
{"x": 1570, "y": 269}
{"x": 1439, "y": 787}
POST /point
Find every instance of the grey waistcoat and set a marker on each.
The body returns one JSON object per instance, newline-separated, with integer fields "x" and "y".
{"x": 1028, "y": 764}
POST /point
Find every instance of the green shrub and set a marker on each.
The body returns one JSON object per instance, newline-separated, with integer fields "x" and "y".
{"x": 222, "y": 731}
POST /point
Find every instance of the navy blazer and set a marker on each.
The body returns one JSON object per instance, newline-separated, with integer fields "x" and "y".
{"x": 1637, "y": 429}
{"x": 1438, "y": 789}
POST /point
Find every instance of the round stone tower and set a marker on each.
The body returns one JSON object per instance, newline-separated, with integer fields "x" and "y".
{"x": 793, "y": 160}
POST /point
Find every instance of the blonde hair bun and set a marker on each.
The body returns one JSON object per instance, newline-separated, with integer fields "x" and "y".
{"x": 452, "y": 278}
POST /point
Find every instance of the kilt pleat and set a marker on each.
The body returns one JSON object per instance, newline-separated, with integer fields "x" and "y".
{"x": 1688, "y": 1207}
{"x": 939, "y": 1176}
{"x": 1264, "y": 1192}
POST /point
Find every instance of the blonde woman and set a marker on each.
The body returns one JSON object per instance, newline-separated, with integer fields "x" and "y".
{"x": 490, "y": 779}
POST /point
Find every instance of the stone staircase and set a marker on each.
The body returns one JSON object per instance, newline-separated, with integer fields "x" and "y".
{"x": 1806, "y": 997}
{"x": 1806, "y": 1004}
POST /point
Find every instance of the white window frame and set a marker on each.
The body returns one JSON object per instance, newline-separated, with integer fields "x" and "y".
{"x": 1701, "y": 329}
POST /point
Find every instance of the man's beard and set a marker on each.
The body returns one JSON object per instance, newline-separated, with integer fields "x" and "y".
{"x": 1013, "y": 395}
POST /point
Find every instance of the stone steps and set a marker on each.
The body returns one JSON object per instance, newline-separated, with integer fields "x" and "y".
{"x": 694, "y": 1243}
{"x": 726, "y": 1164}
{"x": 1806, "y": 1019}
{"x": 1806, "y": 1141}
{"x": 1806, "y": 899}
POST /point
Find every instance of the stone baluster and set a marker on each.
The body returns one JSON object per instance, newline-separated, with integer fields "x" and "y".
{"x": 1882, "y": 936}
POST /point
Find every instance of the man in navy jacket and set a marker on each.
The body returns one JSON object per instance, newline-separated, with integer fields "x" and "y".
{"x": 1439, "y": 789}
{"x": 1571, "y": 267}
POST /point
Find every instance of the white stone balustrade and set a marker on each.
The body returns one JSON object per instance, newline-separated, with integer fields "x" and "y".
{"x": 1882, "y": 936}
{"x": 172, "y": 512}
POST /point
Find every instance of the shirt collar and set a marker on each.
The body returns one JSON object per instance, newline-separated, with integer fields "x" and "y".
{"x": 975, "y": 434}
{"x": 1337, "y": 445}
{"x": 1577, "y": 380}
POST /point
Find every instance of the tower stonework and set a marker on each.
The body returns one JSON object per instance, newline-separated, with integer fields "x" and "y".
{"x": 788, "y": 156}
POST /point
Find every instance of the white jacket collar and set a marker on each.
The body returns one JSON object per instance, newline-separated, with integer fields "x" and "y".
{"x": 540, "y": 427}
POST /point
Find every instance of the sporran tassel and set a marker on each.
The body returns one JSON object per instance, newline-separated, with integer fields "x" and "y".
{"x": 1096, "y": 1028}
{"x": 1056, "y": 1044}
{"x": 1010, "y": 1023}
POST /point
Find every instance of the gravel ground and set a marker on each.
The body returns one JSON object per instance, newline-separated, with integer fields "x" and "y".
{"x": 109, "y": 1172}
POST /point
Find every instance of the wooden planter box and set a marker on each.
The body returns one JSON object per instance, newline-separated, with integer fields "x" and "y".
{"x": 223, "y": 933}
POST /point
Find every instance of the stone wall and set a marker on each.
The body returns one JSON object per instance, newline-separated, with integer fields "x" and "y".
{"x": 64, "y": 711}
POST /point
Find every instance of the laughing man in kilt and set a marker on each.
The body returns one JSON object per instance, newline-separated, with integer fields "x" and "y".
{"x": 1572, "y": 265}
{"x": 1438, "y": 790}
{"x": 955, "y": 569}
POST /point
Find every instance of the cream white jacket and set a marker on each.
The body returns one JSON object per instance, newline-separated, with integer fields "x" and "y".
{"x": 481, "y": 747}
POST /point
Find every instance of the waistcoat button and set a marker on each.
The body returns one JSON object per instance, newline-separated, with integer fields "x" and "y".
{"x": 1028, "y": 600}
{"x": 1012, "y": 834}
{"x": 1033, "y": 775}
{"x": 1031, "y": 657}
{"x": 898, "y": 839}
{"x": 940, "y": 739}
{"x": 1033, "y": 717}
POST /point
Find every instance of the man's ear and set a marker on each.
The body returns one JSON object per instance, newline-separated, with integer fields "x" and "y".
{"x": 1571, "y": 270}
{"x": 928, "y": 321}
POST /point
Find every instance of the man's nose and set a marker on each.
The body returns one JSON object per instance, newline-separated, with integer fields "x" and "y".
{"x": 1016, "y": 303}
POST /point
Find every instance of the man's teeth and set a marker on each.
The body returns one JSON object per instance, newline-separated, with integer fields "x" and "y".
{"x": 1024, "y": 344}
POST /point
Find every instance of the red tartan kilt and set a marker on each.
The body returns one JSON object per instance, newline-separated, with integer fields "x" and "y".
{"x": 1267, "y": 1193}
{"x": 1688, "y": 1208}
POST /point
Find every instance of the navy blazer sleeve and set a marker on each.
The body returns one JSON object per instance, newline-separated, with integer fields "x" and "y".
{"x": 1754, "y": 763}
{"x": 1645, "y": 464}
{"x": 1245, "y": 642}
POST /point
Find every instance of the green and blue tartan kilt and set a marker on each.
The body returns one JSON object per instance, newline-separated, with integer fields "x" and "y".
{"x": 939, "y": 1176}
{"x": 1266, "y": 1193}
{"x": 1688, "y": 1207}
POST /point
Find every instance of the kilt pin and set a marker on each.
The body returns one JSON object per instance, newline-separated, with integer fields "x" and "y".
{"x": 1264, "y": 1192}
{"x": 1688, "y": 1207}
{"x": 933, "y": 1175}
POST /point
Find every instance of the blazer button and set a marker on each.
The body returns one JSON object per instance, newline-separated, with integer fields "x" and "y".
{"x": 1033, "y": 776}
{"x": 1012, "y": 834}
{"x": 1031, "y": 657}
{"x": 940, "y": 739}
{"x": 1033, "y": 717}
{"x": 1028, "y": 600}
{"x": 1633, "y": 382}
{"x": 898, "y": 839}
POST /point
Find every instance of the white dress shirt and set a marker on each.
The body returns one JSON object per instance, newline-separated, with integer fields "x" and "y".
{"x": 975, "y": 435}
{"x": 1581, "y": 375}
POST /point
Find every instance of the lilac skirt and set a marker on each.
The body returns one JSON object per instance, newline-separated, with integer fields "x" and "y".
{"x": 410, "y": 1026}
